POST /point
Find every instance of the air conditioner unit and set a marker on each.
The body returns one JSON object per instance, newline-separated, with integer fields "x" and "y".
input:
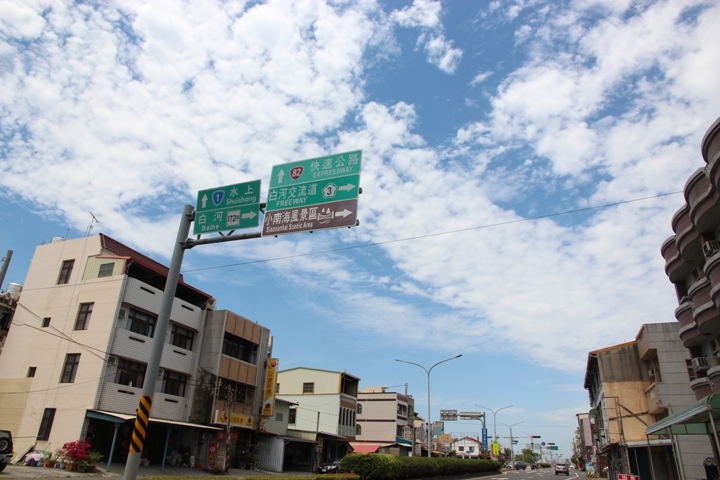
{"x": 122, "y": 314}
{"x": 161, "y": 372}
{"x": 112, "y": 360}
{"x": 700, "y": 364}
{"x": 710, "y": 247}
{"x": 651, "y": 373}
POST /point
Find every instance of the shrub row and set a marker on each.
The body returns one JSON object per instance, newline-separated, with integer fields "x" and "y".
{"x": 374, "y": 466}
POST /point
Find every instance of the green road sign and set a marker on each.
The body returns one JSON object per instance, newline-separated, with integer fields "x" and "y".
{"x": 315, "y": 181}
{"x": 228, "y": 208}
{"x": 313, "y": 193}
{"x": 553, "y": 447}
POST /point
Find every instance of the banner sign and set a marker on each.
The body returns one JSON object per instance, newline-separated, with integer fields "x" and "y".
{"x": 270, "y": 382}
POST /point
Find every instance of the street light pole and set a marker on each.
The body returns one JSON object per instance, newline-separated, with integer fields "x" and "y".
{"x": 512, "y": 439}
{"x": 494, "y": 412}
{"x": 427, "y": 371}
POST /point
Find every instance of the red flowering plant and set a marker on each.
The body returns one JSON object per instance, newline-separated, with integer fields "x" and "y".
{"x": 75, "y": 451}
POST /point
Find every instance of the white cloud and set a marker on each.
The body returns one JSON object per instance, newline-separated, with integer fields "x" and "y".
{"x": 422, "y": 13}
{"x": 441, "y": 53}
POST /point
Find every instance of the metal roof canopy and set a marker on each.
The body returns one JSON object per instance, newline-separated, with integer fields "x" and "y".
{"x": 114, "y": 417}
{"x": 691, "y": 421}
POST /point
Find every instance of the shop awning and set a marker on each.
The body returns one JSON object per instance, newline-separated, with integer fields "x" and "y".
{"x": 690, "y": 421}
{"x": 359, "y": 447}
{"x": 115, "y": 417}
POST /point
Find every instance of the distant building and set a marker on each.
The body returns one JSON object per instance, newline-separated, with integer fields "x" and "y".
{"x": 325, "y": 414}
{"x": 466, "y": 447}
{"x": 384, "y": 422}
{"x": 631, "y": 386}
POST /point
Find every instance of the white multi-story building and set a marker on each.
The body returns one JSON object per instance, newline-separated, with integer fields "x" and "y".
{"x": 74, "y": 360}
{"x": 384, "y": 422}
{"x": 325, "y": 411}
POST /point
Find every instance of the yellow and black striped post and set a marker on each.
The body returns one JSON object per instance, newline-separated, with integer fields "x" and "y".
{"x": 141, "y": 424}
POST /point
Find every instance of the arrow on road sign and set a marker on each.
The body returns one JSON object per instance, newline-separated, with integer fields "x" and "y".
{"x": 249, "y": 215}
{"x": 343, "y": 213}
{"x": 349, "y": 186}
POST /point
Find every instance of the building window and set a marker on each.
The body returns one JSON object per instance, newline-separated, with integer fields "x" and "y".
{"x": 31, "y": 371}
{"x": 240, "y": 393}
{"x": 690, "y": 370}
{"x": 292, "y": 415}
{"x": 358, "y": 430}
{"x": 72, "y": 360}
{"x": 236, "y": 347}
{"x": 141, "y": 323}
{"x": 715, "y": 346}
{"x": 278, "y": 416}
{"x": 359, "y": 408}
{"x": 277, "y": 388}
{"x": 106, "y": 270}
{"x": 308, "y": 387}
{"x": 65, "y": 272}
{"x": 130, "y": 373}
{"x": 46, "y": 322}
{"x": 182, "y": 337}
{"x": 174, "y": 383}
{"x": 461, "y": 448}
{"x": 83, "y": 316}
{"x": 46, "y": 424}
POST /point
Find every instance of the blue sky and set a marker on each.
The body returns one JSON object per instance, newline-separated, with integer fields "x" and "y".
{"x": 477, "y": 120}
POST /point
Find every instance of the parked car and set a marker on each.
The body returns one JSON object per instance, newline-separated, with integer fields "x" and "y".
{"x": 331, "y": 466}
{"x": 520, "y": 466}
{"x": 562, "y": 468}
{"x": 6, "y": 448}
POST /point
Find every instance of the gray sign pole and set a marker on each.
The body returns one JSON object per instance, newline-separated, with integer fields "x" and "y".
{"x": 143, "y": 412}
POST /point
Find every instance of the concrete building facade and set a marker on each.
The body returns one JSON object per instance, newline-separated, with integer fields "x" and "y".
{"x": 384, "y": 422}
{"x": 73, "y": 363}
{"x": 325, "y": 413}
{"x": 631, "y": 386}
{"x": 692, "y": 264}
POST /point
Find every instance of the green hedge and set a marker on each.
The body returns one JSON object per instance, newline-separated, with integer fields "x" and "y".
{"x": 374, "y": 466}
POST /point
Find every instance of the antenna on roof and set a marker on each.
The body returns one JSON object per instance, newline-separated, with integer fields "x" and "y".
{"x": 87, "y": 232}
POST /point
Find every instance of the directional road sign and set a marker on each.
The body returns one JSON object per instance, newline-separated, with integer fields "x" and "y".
{"x": 228, "y": 208}
{"x": 313, "y": 194}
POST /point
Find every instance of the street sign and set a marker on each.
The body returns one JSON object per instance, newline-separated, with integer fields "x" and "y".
{"x": 313, "y": 194}
{"x": 485, "y": 439}
{"x": 230, "y": 207}
{"x": 305, "y": 219}
{"x": 471, "y": 415}
{"x": 448, "y": 415}
{"x": 554, "y": 447}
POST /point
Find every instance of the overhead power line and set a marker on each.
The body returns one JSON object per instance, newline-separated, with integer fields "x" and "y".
{"x": 436, "y": 234}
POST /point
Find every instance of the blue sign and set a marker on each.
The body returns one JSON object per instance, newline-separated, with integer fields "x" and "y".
{"x": 484, "y": 439}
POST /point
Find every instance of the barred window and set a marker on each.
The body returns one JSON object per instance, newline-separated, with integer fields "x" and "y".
{"x": 140, "y": 322}
{"x": 182, "y": 337}
{"x": 65, "y": 271}
{"x": 83, "y": 316}
{"x": 174, "y": 383}
{"x": 106, "y": 270}
{"x": 130, "y": 373}
{"x": 72, "y": 360}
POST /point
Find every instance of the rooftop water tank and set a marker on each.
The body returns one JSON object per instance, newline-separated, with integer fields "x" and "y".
{"x": 14, "y": 290}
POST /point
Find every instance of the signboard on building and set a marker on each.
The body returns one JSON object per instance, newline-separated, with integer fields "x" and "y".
{"x": 314, "y": 194}
{"x": 484, "y": 438}
{"x": 625, "y": 476}
{"x": 236, "y": 420}
{"x": 446, "y": 439}
{"x": 268, "y": 409}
